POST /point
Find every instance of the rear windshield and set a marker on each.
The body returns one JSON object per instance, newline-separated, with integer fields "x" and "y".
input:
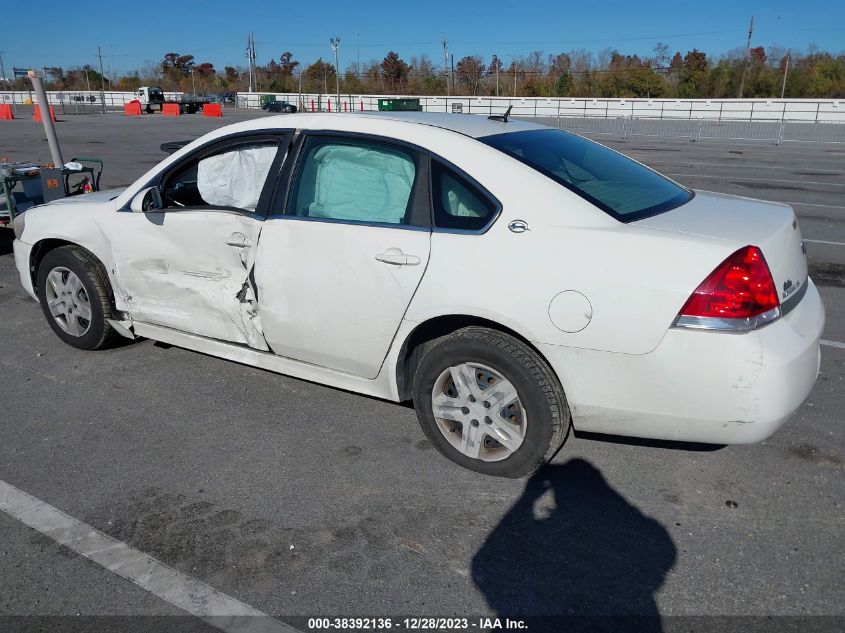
{"x": 617, "y": 185}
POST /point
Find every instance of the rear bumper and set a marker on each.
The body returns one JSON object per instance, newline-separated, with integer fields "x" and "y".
{"x": 698, "y": 386}
{"x": 22, "y": 252}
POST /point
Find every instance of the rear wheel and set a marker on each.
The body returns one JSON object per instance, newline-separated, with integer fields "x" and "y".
{"x": 73, "y": 291}
{"x": 490, "y": 403}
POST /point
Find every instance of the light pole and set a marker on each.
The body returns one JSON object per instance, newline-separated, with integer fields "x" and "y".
{"x": 102, "y": 80}
{"x": 335, "y": 41}
{"x": 301, "y": 102}
{"x": 785, "y": 72}
{"x": 193, "y": 83}
{"x": 445, "y": 62}
{"x": 747, "y": 55}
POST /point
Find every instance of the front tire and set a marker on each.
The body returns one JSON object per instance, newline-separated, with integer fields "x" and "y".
{"x": 73, "y": 290}
{"x": 490, "y": 403}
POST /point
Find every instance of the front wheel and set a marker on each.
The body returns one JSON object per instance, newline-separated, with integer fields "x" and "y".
{"x": 490, "y": 403}
{"x": 73, "y": 290}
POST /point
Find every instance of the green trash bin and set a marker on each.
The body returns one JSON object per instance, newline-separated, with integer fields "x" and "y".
{"x": 399, "y": 105}
{"x": 265, "y": 99}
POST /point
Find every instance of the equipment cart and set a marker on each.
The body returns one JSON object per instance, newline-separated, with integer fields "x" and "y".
{"x": 28, "y": 184}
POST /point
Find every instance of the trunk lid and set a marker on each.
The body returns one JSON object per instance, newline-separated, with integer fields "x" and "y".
{"x": 771, "y": 226}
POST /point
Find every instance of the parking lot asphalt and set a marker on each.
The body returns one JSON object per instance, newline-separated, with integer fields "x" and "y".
{"x": 301, "y": 500}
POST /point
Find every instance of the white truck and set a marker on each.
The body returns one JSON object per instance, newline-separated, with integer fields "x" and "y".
{"x": 152, "y": 98}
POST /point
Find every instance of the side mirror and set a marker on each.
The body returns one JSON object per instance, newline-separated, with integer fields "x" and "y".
{"x": 148, "y": 199}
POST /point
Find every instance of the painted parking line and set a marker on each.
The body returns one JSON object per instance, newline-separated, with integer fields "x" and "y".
{"x": 832, "y": 343}
{"x": 824, "y": 242}
{"x": 811, "y": 204}
{"x": 713, "y": 177}
{"x": 181, "y": 590}
{"x": 749, "y": 165}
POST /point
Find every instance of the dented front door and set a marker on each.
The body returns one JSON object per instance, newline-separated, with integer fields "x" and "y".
{"x": 189, "y": 270}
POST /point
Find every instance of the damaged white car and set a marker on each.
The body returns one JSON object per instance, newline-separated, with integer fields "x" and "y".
{"x": 511, "y": 279}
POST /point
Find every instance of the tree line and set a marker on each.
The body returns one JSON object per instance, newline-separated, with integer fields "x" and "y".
{"x": 577, "y": 73}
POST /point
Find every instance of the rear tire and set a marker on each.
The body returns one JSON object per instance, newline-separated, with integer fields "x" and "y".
{"x": 490, "y": 403}
{"x": 74, "y": 293}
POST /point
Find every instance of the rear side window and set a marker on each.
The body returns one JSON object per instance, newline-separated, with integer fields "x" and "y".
{"x": 458, "y": 204}
{"x": 614, "y": 183}
{"x": 354, "y": 180}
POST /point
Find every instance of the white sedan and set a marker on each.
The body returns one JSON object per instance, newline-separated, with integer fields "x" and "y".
{"x": 513, "y": 280}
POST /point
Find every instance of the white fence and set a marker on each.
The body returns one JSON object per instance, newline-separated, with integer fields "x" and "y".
{"x": 806, "y": 110}
{"x": 72, "y": 101}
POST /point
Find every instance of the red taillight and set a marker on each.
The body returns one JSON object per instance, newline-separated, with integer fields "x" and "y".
{"x": 741, "y": 287}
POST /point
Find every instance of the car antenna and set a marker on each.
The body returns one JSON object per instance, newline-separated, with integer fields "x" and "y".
{"x": 502, "y": 117}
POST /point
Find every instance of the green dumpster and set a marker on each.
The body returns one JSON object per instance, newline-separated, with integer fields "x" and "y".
{"x": 265, "y": 99}
{"x": 399, "y": 105}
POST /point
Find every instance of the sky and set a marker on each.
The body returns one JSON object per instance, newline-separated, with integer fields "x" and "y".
{"x": 132, "y": 34}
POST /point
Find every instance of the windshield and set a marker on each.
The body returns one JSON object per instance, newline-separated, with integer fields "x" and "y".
{"x": 614, "y": 183}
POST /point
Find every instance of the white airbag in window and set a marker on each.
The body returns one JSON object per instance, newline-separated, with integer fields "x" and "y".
{"x": 236, "y": 178}
{"x": 359, "y": 183}
{"x": 456, "y": 200}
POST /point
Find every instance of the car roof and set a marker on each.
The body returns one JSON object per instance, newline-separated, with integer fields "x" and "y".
{"x": 468, "y": 124}
{"x": 475, "y": 126}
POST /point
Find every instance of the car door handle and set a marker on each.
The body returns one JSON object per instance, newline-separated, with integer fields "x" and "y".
{"x": 238, "y": 239}
{"x": 397, "y": 257}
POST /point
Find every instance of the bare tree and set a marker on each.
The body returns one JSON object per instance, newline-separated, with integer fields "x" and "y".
{"x": 469, "y": 70}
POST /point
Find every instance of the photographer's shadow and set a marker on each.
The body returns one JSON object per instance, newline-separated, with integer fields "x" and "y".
{"x": 572, "y": 546}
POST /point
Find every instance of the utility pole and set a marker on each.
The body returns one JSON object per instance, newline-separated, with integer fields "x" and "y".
{"x": 358, "y": 62}
{"x": 250, "y": 55}
{"x": 785, "y": 72}
{"x": 335, "y": 42}
{"x": 445, "y": 62}
{"x": 2, "y": 70}
{"x": 745, "y": 62}
{"x": 193, "y": 83}
{"x": 496, "y": 64}
{"x": 102, "y": 80}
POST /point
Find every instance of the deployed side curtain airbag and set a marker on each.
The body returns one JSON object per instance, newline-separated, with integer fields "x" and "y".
{"x": 236, "y": 178}
{"x": 367, "y": 184}
{"x": 457, "y": 201}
